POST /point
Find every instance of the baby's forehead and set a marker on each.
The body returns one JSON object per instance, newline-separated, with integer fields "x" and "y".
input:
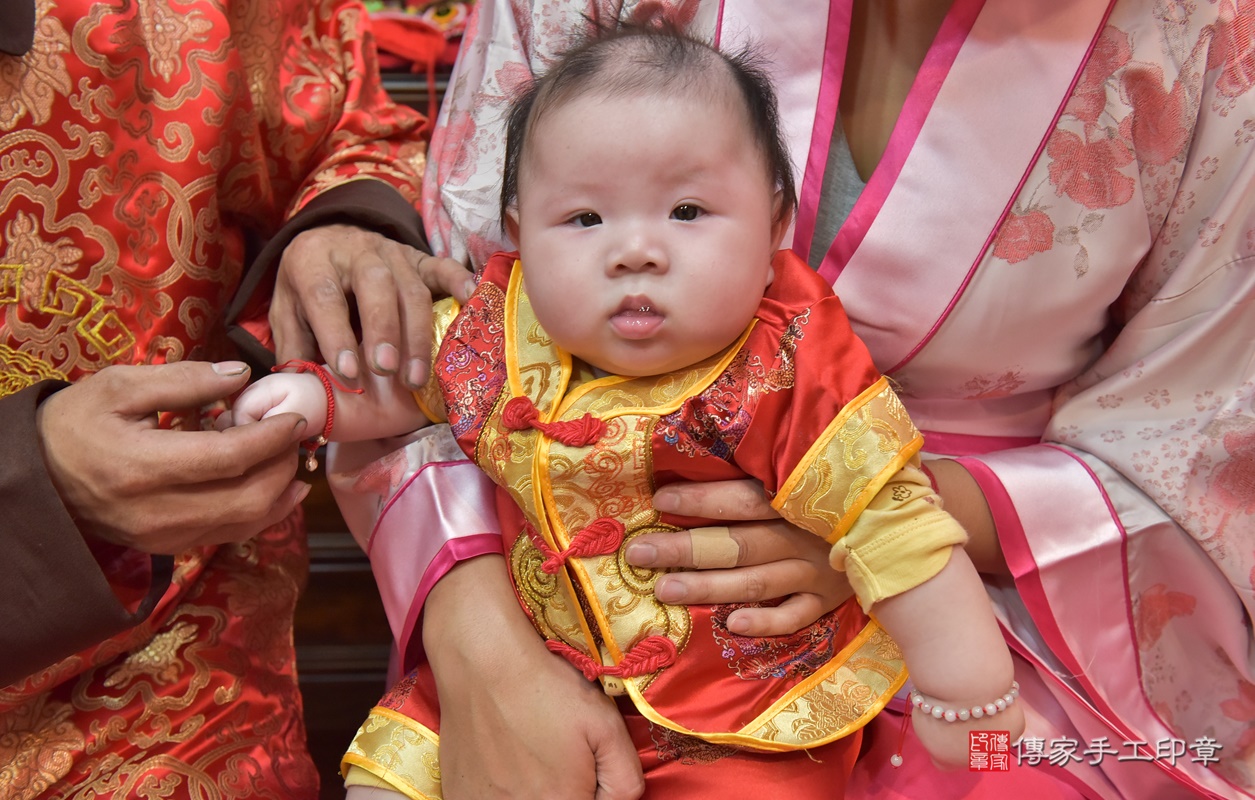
{"x": 644, "y": 64}
{"x": 631, "y": 73}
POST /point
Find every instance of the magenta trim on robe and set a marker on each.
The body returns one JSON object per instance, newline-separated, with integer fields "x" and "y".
{"x": 825, "y": 121}
{"x": 932, "y": 73}
{"x": 1036, "y": 590}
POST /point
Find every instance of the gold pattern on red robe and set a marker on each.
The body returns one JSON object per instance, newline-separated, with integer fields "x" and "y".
{"x": 146, "y": 150}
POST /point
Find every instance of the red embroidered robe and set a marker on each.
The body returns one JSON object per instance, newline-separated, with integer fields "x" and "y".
{"x": 146, "y": 149}
{"x": 796, "y": 402}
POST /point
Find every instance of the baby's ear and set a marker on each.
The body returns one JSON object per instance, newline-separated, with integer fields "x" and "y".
{"x": 512, "y": 224}
{"x": 781, "y": 219}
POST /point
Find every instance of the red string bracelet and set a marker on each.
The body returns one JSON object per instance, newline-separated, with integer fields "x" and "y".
{"x": 330, "y": 383}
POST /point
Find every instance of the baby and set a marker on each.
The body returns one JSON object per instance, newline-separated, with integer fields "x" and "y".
{"x": 649, "y": 330}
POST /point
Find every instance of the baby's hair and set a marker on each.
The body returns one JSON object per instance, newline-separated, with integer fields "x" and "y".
{"x": 631, "y": 59}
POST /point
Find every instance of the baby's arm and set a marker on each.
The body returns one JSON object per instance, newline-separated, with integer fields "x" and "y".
{"x": 956, "y": 656}
{"x": 904, "y": 557}
{"x": 383, "y": 408}
{"x": 376, "y": 789}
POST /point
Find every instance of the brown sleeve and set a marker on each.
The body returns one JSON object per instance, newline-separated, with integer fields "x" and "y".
{"x": 366, "y": 203}
{"x": 55, "y": 598}
{"x": 17, "y": 26}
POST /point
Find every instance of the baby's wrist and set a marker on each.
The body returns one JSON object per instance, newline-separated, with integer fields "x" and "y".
{"x": 328, "y": 384}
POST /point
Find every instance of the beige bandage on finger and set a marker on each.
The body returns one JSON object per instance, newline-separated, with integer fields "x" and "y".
{"x": 714, "y": 548}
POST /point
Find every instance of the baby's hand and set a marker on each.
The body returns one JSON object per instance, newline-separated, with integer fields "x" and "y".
{"x": 299, "y": 393}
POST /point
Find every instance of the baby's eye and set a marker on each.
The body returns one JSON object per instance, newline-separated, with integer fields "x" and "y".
{"x": 686, "y": 212}
{"x": 586, "y": 220}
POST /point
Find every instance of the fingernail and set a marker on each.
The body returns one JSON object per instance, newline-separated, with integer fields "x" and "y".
{"x": 670, "y": 590}
{"x": 641, "y": 554}
{"x": 387, "y": 359}
{"x": 738, "y": 624}
{"x": 230, "y": 368}
{"x": 303, "y": 493}
{"x": 469, "y": 289}
{"x": 665, "y": 501}
{"x": 415, "y": 373}
{"x": 346, "y": 364}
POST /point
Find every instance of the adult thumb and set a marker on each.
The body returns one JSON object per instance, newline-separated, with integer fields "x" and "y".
{"x": 175, "y": 387}
{"x": 618, "y": 764}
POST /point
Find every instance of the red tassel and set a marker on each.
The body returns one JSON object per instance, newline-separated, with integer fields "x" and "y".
{"x": 599, "y": 538}
{"x": 896, "y": 758}
{"x": 650, "y": 655}
{"x": 591, "y": 669}
{"x": 520, "y": 414}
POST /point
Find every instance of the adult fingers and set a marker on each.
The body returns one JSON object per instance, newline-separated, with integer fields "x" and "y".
{"x": 740, "y": 585}
{"x": 755, "y": 543}
{"x": 719, "y": 500}
{"x": 395, "y": 309}
{"x": 140, "y": 391}
{"x": 793, "y": 613}
{"x": 310, "y": 297}
{"x": 377, "y": 307}
{"x": 250, "y": 525}
{"x": 192, "y": 457}
{"x": 293, "y": 340}
{"x": 435, "y": 277}
{"x": 172, "y": 517}
{"x": 619, "y": 774}
{"x": 445, "y": 276}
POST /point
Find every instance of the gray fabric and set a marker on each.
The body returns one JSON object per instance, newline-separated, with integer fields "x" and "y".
{"x": 841, "y": 189}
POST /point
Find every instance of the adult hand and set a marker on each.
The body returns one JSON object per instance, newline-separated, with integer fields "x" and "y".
{"x": 391, "y": 283}
{"x": 776, "y": 560}
{"x": 129, "y": 482}
{"x": 516, "y": 721}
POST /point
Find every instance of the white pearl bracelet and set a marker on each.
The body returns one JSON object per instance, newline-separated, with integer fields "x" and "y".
{"x": 934, "y": 710}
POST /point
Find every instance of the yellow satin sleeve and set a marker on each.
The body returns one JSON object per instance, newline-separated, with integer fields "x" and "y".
{"x": 394, "y": 752}
{"x": 900, "y": 540}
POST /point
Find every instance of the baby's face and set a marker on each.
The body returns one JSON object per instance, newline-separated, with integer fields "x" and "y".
{"x": 645, "y": 227}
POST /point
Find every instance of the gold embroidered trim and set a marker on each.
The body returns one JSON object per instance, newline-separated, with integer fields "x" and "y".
{"x": 399, "y": 750}
{"x": 833, "y": 703}
{"x": 868, "y": 442}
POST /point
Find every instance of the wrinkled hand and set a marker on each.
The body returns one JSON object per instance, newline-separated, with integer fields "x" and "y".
{"x": 129, "y": 482}
{"x": 391, "y": 283}
{"x": 517, "y": 721}
{"x": 777, "y": 560}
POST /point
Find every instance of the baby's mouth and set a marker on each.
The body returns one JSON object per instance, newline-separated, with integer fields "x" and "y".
{"x": 636, "y": 318}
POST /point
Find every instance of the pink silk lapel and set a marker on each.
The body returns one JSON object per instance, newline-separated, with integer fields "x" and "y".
{"x": 833, "y": 71}
{"x": 928, "y": 82}
{"x": 1083, "y": 615}
{"x": 912, "y": 259}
